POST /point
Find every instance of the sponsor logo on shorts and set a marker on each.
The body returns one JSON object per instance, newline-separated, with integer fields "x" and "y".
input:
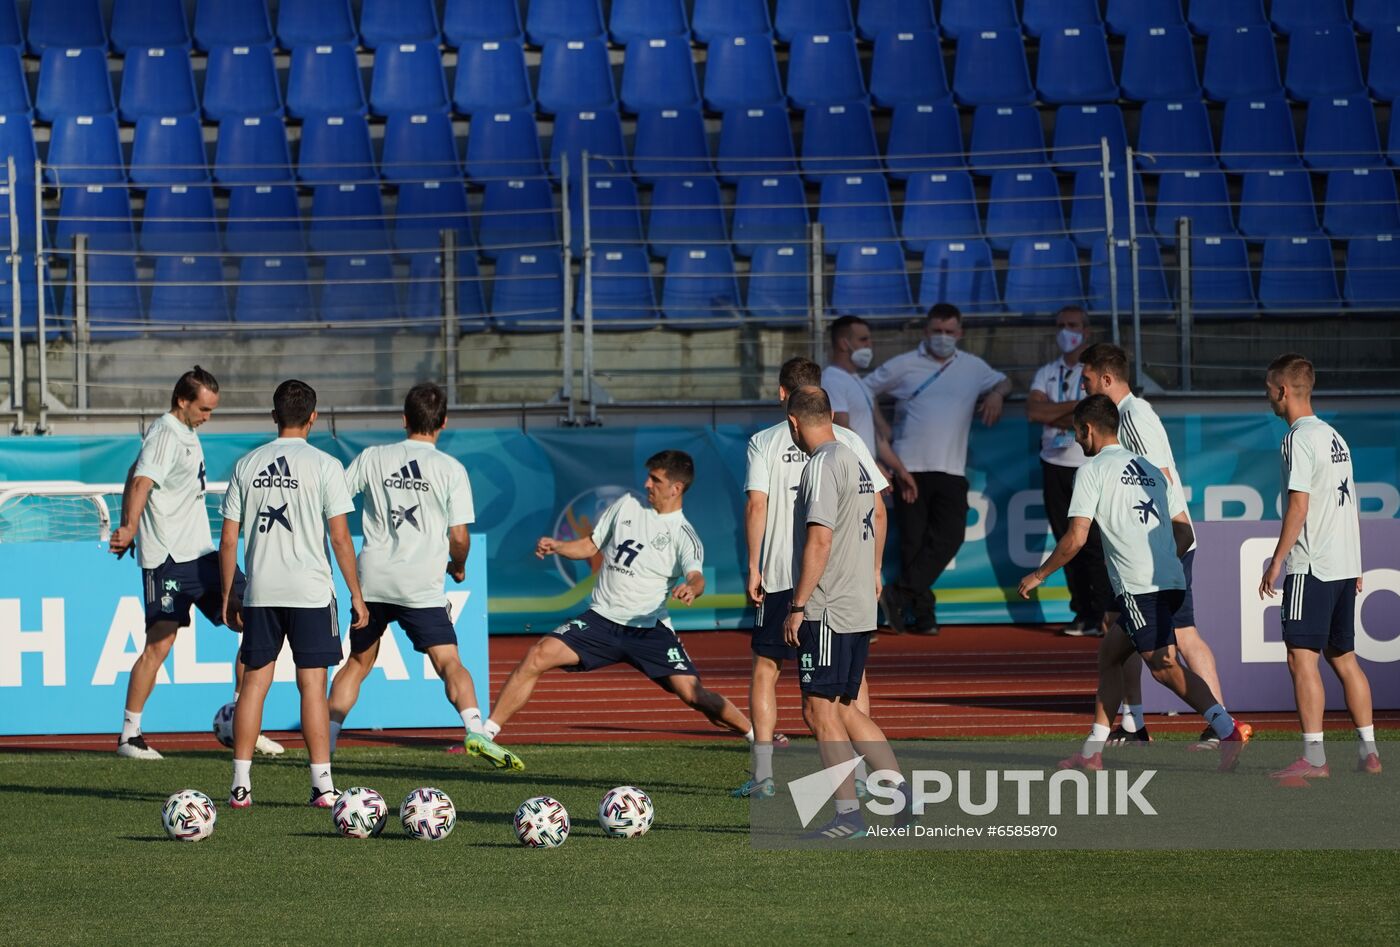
{"x": 277, "y": 474}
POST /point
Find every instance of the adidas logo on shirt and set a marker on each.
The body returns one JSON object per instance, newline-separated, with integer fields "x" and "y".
{"x": 1339, "y": 451}
{"x": 277, "y": 474}
{"x": 1135, "y": 476}
{"x": 408, "y": 478}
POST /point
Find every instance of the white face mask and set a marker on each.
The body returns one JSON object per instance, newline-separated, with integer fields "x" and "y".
{"x": 940, "y": 346}
{"x": 1068, "y": 340}
{"x": 862, "y": 358}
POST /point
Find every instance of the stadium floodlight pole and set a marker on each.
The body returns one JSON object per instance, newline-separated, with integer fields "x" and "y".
{"x": 80, "y": 315}
{"x": 587, "y": 290}
{"x": 449, "y": 314}
{"x": 1183, "y": 260}
{"x": 42, "y": 426}
{"x": 1138, "y": 372}
{"x": 818, "y": 294}
{"x": 17, "y": 340}
{"x": 566, "y": 384}
{"x": 1109, "y": 245}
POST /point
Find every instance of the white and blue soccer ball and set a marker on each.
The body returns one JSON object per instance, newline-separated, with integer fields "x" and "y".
{"x": 626, "y": 812}
{"x": 541, "y": 822}
{"x": 427, "y": 814}
{"x": 188, "y": 816}
{"x": 359, "y": 813}
{"x": 223, "y": 724}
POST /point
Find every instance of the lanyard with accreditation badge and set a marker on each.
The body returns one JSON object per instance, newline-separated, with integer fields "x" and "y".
{"x": 934, "y": 377}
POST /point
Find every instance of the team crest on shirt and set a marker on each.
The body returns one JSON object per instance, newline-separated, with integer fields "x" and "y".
{"x": 661, "y": 541}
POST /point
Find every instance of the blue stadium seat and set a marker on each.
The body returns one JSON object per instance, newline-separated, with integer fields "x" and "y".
{"x": 767, "y": 211}
{"x": 466, "y": 21}
{"x": 1258, "y": 134}
{"x": 1297, "y": 274}
{"x": 701, "y": 286}
{"x": 855, "y": 208}
{"x": 960, "y": 272}
{"x": 423, "y": 301}
{"x": 755, "y": 141}
{"x": 1241, "y": 63}
{"x": 315, "y": 22}
{"x": 907, "y": 68}
{"x": 670, "y": 141}
{"x": 420, "y": 148}
{"x": 503, "y": 145}
{"x": 714, "y": 19}
{"x": 615, "y": 213}
{"x": 29, "y": 301}
{"x": 387, "y": 22}
{"x": 11, "y": 33}
{"x": 1041, "y": 17}
{"x": 14, "y": 88}
{"x": 73, "y": 81}
{"x": 156, "y": 82}
{"x": 101, "y": 212}
{"x": 1078, "y": 131}
{"x": 1373, "y": 272}
{"x": 263, "y": 218}
{"x": 960, "y": 18}
{"x": 824, "y": 68}
{"x": 428, "y": 208}
{"x": 574, "y": 75}
{"x": 359, "y": 288}
{"x": 874, "y": 17}
{"x": 741, "y": 72}
{"x": 624, "y": 296}
{"x": 1006, "y": 136}
{"x": 1361, "y": 202}
{"x": 659, "y": 73}
{"x": 939, "y": 205}
{"x": 1159, "y": 63}
{"x": 1221, "y": 280}
{"x": 838, "y": 139}
{"x": 1341, "y": 133}
{"x": 66, "y": 24}
{"x": 273, "y": 289}
{"x": 597, "y": 132}
{"x": 1042, "y": 275}
{"x": 189, "y": 291}
{"x": 528, "y": 294}
{"x": 1392, "y": 148}
{"x": 1291, "y": 17}
{"x": 924, "y": 135}
{"x": 408, "y": 77}
{"x": 335, "y": 148}
{"x": 779, "y": 284}
{"x": 685, "y": 212}
{"x": 324, "y": 80}
{"x": 1323, "y": 63}
{"x": 252, "y": 148}
{"x": 1023, "y": 203}
{"x": 169, "y": 150}
{"x": 991, "y": 69}
{"x": 148, "y": 23}
{"x": 550, "y": 20}
{"x": 1202, "y": 195}
{"x": 1174, "y": 135}
{"x": 1384, "y": 77}
{"x": 114, "y": 307}
{"x": 241, "y": 80}
{"x": 1153, "y": 293}
{"x": 1374, "y": 16}
{"x": 85, "y": 149}
{"x": 1074, "y": 66}
{"x": 347, "y": 217}
{"x": 17, "y": 141}
{"x": 1277, "y": 204}
{"x": 517, "y": 213}
{"x": 491, "y": 77}
{"x": 1086, "y": 214}
{"x": 870, "y": 281}
{"x": 1209, "y": 16}
{"x": 1126, "y": 16}
{"x": 180, "y": 219}
{"x": 220, "y": 23}
{"x": 795, "y": 17}
{"x": 632, "y": 20}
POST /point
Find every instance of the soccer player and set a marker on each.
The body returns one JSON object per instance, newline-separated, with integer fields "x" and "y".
{"x": 1319, "y": 548}
{"x": 417, "y": 513}
{"x": 1145, "y": 534}
{"x": 643, "y": 549}
{"x": 285, "y": 497}
{"x": 163, "y": 500}
{"x": 775, "y": 466}
{"x": 1141, "y": 431}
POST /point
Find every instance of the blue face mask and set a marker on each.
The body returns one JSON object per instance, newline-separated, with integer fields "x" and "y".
{"x": 940, "y": 346}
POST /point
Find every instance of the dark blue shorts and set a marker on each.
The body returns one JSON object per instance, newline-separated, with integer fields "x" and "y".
{"x": 314, "y": 634}
{"x": 1185, "y": 615}
{"x": 831, "y": 664}
{"x": 1318, "y": 614}
{"x": 1149, "y": 618}
{"x": 425, "y": 627}
{"x": 172, "y": 587}
{"x": 599, "y": 642}
{"x": 768, "y": 626}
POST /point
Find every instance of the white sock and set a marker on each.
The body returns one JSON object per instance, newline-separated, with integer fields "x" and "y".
{"x": 1220, "y": 721}
{"x": 131, "y": 724}
{"x": 471, "y": 719}
{"x": 242, "y": 774}
{"x": 762, "y": 761}
{"x": 862, "y": 772}
{"x": 491, "y": 728}
{"x": 321, "y": 777}
{"x": 336, "y": 726}
{"x": 749, "y": 736}
{"x": 1132, "y": 717}
{"x": 1366, "y": 737}
{"x": 1098, "y": 736}
{"x": 846, "y": 806}
{"x": 1313, "y": 750}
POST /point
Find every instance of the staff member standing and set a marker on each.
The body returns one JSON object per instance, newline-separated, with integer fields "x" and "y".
{"x": 1051, "y": 403}
{"x": 936, "y": 389}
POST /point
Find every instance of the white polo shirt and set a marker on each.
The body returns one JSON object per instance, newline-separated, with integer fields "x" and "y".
{"x": 848, "y": 393}
{"x": 1060, "y": 382}
{"x": 935, "y": 404}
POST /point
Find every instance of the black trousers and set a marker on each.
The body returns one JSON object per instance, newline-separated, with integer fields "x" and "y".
{"x": 931, "y": 531}
{"x": 1090, "y": 594}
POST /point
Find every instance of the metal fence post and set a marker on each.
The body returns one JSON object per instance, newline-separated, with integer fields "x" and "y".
{"x": 586, "y": 203}
{"x": 81, "y": 329}
{"x": 566, "y": 386}
{"x": 449, "y": 313}
{"x": 1105, "y": 173}
{"x": 1183, "y": 258}
{"x": 818, "y": 310}
{"x": 17, "y": 338}
{"x": 43, "y": 423}
{"x": 1138, "y": 372}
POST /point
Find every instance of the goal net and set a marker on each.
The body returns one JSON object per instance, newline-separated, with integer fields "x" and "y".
{"x": 69, "y": 511}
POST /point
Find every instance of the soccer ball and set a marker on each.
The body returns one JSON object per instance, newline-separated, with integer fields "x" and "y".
{"x": 359, "y": 813}
{"x": 223, "y": 724}
{"x": 427, "y": 814}
{"x": 625, "y": 812}
{"x": 541, "y": 822}
{"x": 188, "y": 816}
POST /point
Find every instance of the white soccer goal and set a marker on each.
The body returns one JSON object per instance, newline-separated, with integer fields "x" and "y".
{"x": 33, "y": 511}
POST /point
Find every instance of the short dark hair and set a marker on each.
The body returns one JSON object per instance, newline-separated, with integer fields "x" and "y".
{"x": 797, "y": 372}
{"x": 1097, "y": 411}
{"x": 425, "y": 408}
{"x": 188, "y": 385}
{"x": 677, "y": 465}
{"x": 1295, "y": 369}
{"x": 1073, "y": 307}
{"x": 842, "y": 327}
{"x": 942, "y": 311}
{"x": 809, "y": 403}
{"x": 1106, "y": 358}
{"x": 293, "y": 403}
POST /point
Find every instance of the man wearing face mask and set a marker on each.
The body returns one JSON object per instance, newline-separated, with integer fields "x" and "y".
{"x": 852, "y": 404}
{"x": 936, "y": 389}
{"x": 1054, "y": 394}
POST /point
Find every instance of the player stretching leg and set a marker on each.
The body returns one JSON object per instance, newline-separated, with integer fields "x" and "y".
{"x": 285, "y": 497}
{"x": 1319, "y": 547}
{"x": 418, "y": 507}
{"x": 1126, "y": 495}
{"x": 645, "y": 548}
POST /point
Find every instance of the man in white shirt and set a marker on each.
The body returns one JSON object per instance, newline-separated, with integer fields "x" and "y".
{"x": 1054, "y": 393}
{"x": 936, "y": 389}
{"x": 1319, "y": 547}
{"x": 852, "y": 405}
{"x": 285, "y": 498}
